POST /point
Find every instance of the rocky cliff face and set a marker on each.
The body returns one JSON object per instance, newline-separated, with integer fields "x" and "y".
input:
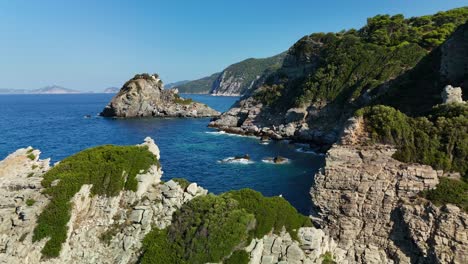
{"x": 144, "y": 96}
{"x": 101, "y": 229}
{"x": 228, "y": 85}
{"x": 369, "y": 205}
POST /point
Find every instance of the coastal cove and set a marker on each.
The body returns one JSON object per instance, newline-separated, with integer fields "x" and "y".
{"x": 58, "y": 125}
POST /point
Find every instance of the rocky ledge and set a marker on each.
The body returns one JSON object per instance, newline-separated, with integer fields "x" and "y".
{"x": 145, "y": 96}
{"x": 368, "y": 203}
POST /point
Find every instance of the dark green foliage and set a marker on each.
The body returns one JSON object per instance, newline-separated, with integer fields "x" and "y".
{"x": 439, "y": 140}
{"x": 108, "y": 168}
{"x": 271, "y": 213}
{"x": 182, "y": 182}
{"x": 30, "y": 202}
{"x": 238, "y": 257}
{"x": 351, "y": 66}
{"x": 426, "y": 31}
{"x": 341, "y": 67}
{"x": 204, "y": 230}
{"x": 328, "y": 258}
{"x": 31, "y": 156}
{"x": 157, "y": 249}
{"x": 180, "y": 100}
{"x": 200, "y": 86}
{"x": 209, "y": 228}
{"x": 449, "y": 191}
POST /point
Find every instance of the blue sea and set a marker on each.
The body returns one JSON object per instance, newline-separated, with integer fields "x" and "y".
{"x": 56, "y": 124}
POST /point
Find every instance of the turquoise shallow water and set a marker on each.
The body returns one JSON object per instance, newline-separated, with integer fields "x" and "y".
{"x": 56, "y": 124}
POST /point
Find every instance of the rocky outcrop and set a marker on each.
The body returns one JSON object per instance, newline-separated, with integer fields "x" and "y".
{"x": 101, "y": 229}
{"x": 369, "y": 205}
{"x": 312, "y": 246}
{"x": 451, "y": 95}
{"x": 144, "y": 96}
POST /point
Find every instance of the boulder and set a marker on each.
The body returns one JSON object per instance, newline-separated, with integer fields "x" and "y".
{"x": 451, "y": 95}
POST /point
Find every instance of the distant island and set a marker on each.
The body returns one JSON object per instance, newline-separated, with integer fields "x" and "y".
{"x": 52, "y": 89}
{"x": 111, "y": 90}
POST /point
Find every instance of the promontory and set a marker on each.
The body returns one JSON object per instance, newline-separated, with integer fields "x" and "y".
{"x": 144, "y": 96}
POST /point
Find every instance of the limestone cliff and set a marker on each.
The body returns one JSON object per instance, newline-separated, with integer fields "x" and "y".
{"x": 369, "y": 205}
{"x": 101, "y": 229}
{"x": 144, "y": 96}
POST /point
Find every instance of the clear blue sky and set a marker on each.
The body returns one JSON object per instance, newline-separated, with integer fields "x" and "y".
{"x": 94, "y": 44}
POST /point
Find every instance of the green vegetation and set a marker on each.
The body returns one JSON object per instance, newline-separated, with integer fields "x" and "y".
{"x": 182, "y": 182}
{"x": 449, "y": 191}
{"x": 328, "y": 258}
{"x": 200, "y": 86}
{"x": 271, "y": 213}
{"x": 439, "y": 140}
{"x": 108, "y": 168}
{"x": 30, "y": 174}
{"x": 345, "y": 65}
{"x": 30, "y": 202}
{"x": 180, "y": 100}
{"x": 238, "y": 257}
{"x": 426, "y": 31}
{"x": 247, "y": 71}
{"x": 197, "y": 236}
{"x": 31, "y": 156}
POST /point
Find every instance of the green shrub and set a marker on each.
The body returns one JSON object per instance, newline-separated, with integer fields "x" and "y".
{"x": 108, "y": 168}
{"x": 30, "y": 202}
{"x": 439, "y": 140}
{"x": 238, "y": 257}
{"x": 180, "y": 100}
{"x": 328, "y": 258}
{"x": 209, "y": 228}
{"x": 182, "y": 182}
{"x": 31, "y": 156}
{"x": 204, "y": 230}
{"x": 271, "y": 213}
{"x": 449, "y": 191}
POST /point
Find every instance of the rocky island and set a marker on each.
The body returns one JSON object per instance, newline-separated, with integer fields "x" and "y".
{"x": 145, "y": 96}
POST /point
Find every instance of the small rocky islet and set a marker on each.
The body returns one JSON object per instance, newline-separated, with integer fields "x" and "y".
{"x": 144, "y": 96}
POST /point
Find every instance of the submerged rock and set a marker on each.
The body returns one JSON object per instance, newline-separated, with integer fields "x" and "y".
{"x": 245, "y": 159}
{"x": 276, "y": 160}
{"x": 144, "y": 96}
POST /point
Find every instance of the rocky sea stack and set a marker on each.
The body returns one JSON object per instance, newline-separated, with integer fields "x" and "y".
{"x": 144, "y": 96}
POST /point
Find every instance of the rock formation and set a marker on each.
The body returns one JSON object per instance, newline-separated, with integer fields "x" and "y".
{"x": 144, "y": 96}
{"x": 101, "y": 229}
{"x": 369, "y": 205}
{"x": 451, "y": 95}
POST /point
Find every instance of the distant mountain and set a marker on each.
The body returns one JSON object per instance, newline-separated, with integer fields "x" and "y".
{"x": 52, "y": 89}
{"x": 111, "y": 90}
{"x": 175, "y": 84}
{"x": 236, "y": 79}
{"x": 200, "y": 86}
{"x": 14, "y": 91}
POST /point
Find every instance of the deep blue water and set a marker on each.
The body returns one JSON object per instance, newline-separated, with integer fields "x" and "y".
{"x": 56, "y": 125}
